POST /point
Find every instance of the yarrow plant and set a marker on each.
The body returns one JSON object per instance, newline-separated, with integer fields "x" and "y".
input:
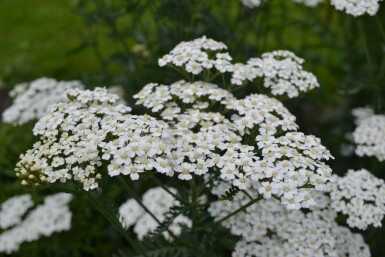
{"x": 32, "y": 99}
{"x": 369, "y": 134}
{"x": 268, "y": 229}
{"x": 352, "y": 7}
{"x": 239, "y": 159}
{"x": 357, "y": 7}
{"x": 159, "y": 203}
{"x": 52, "y": 216}
{"x": 256, "y": 3}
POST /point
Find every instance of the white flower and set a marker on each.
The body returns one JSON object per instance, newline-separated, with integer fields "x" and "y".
{"x": 104, "y": 132}
{"x": 361, "y": 196}
{"x": 283, "y": 73}
{"x": 12, "y": 210}
{"x": 267, "y": 228}
{"x": 52, "y": 216}
{"x": 357, "y": 7}
{"x": 309, "y": 3}
{"x": 369, "y": 136}
{"x": 31, "y": 100}
{"x": 193, "y": 56}
{"x": 159, "y": 203}
{"x": 362, "y": 113}
{"x": 252, "y": 3}
{"x": 185, "y": 169}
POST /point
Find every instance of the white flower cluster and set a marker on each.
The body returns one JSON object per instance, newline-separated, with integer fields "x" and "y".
{"x": 208, "y": 130}
{"x": 159, "y": 203}
{"x": 282, "y": 70}
{"x": 31, "y": 100}
{"x": 343, "y": 243}
{"x": 256, "y": 3}
{"x": 268, "y": 229}
{"x": 266, "y": 114}
{"x": 369, "y": 136}
{"x": 350, "y": 244}
{"x": 362, "y": 113}
{"x": 357, "y": 7}
{"x": 353, "y": 7}
{"x": 211, "y": 141}
{"x": 196, "y": 95}
{"x": 52, "y": 216}
{"x": 309, "y": 3}
{"x": 78, "y": 136}
{"x": 252, "y": 3}
{"x": 12, "y": 210}
{"x": 198, "y": 54}
{"x": 360, "y": 196}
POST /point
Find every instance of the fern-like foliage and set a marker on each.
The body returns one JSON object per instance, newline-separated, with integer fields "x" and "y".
{"x": 164, "y": 225}
{"x": 229, "y": 194}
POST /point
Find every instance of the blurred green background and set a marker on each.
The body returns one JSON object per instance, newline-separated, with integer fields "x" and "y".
{"x": 36, "y": 39}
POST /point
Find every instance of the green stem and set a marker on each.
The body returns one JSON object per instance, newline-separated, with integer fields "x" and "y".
{"x": 366, "y": 50}
{"x": 380, "y": 27}
{"x": 127, "y": 188}
{"x": 210, "y": 79}
{"x": 242, "y": 208}
{"x": 247, "y": 194}
{"x": 180, "y": 71}
{"x": 194, "y": 212}
{"x": 115, "y": 222}
{"x": 159, "y": 183}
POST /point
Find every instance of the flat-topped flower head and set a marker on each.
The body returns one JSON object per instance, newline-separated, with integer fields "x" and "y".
{"x": 202, "y": 129}
{"x": 32, "y": 100}
{"x": 309, "y": 3}
{"x": 357, "y": 7}
{"x": 369, "y": 137}
{"x": 362, "y": 113}
{"x": 257, "y": 3}
{"x": 262, "y": 112}
{"x": 169, "y": 100}
{"x": 199, "y": 54}
{"x": 12, "y": 210}
{"x": 252, "y": 3}
{"x": 267, "y": 228}
{"x": 360, "y": 196}
{"x": 352, "y": 7}
{"x": 52, "y": 216}
{"x": 77, "y": 137}
{"x": 282, "y": 72}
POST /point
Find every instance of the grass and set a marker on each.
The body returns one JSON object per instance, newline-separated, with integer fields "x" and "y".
{"x": 36, "y": 38}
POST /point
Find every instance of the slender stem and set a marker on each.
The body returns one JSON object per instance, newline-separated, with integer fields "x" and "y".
{"x": 194, "y": 212}
{"x": 366, "y": 50}
{"x": 247, "y": 194}
{"x": 224, "y": 85}
{"x": 127, "y": 188}
{"x": 180, "y": 71}
{"x": 381, "y": 70}
{"x": 244, "y": 207}
{"x": 115, "y": 222}
{"x": 210, "y": 79}
{"x": 157, "y": 181}
{"x": 380, "y": 27}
